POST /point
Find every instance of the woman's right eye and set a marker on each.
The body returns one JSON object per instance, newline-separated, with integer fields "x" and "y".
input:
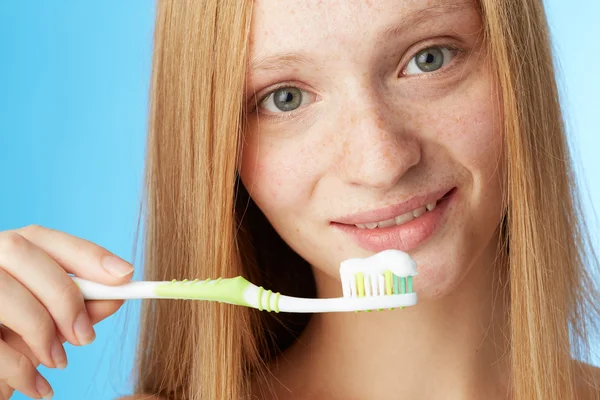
{"x": 286, "y": 99}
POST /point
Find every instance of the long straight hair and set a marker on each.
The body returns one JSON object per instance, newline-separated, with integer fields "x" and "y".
{"x": 200, "y": 222}
{"x": 552, "y": 295}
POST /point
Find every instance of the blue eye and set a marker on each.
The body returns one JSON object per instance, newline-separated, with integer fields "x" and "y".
{"x": 285, "y": 99}
{"x": 429, "y": 60}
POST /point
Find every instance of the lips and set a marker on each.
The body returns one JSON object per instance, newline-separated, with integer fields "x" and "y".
{"x": 400, "y": 219}
{"x": 387, "y": 213}
{"x": 414, "y": 221}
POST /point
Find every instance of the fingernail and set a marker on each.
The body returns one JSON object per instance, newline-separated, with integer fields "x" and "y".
{"x": 116, "y": 266}
{"x": 83, "y": 329}
{"x": 58, "y": 355}
{"x": 43, "y": 387}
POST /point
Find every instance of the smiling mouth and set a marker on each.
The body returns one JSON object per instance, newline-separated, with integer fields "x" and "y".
{"x": 400, "y": 219}
{"x": 395, "y": 227}
{"x": 403, "y": 218}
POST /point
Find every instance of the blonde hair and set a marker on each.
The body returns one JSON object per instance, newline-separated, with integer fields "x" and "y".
{"x": 200, "y": 222}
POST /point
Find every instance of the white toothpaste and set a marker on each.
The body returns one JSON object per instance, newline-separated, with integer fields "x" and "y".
{"x": 399, "y": 262}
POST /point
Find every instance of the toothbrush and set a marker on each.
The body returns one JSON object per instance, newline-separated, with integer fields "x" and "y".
{"x": 381, "y": 281}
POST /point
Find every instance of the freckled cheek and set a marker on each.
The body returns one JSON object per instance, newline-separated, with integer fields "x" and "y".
{"x": 485, "y": 145}
{"x": 278, "y": 176}
{"x": 473, "y": 134}
{"x": 478, "y": 144}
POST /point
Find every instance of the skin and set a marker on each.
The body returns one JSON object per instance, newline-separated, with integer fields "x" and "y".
{"x": 372, "y": 133}
{"x": 41, "y": 307}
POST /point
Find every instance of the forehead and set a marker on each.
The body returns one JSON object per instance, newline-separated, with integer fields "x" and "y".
{"x": 280, "y": 25}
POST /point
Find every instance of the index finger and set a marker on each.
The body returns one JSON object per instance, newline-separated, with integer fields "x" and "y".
{"x": 79, "y": 256}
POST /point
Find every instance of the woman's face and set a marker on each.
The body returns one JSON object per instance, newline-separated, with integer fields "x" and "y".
{"x": 363, "y": 115}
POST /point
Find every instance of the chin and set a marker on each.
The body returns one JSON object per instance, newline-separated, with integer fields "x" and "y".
{"x": 447, "y": 263}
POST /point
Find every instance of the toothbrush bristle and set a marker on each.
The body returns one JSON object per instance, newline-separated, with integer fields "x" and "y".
{"x": 388, "y": 282}
{"x": 387, "y": 273}
{"x": 361, "y": 284}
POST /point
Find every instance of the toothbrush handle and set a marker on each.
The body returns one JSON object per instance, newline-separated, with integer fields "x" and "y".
{"x": 230, "y": 290}
{"x": 237, "y": 291}
{"x": 132, "y": 290}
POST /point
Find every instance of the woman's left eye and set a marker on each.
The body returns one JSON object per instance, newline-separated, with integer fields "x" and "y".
{"x": 430, "y": 59}
{"x": 286, "y": 99}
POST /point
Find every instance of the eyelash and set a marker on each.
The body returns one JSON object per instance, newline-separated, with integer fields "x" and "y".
{"x": 291, "y": 114}
{"x": 448, "y": 46}
{"x": 279, "y": 116}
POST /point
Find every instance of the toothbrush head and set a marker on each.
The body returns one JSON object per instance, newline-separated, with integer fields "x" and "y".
{"x": 386, "y": 273}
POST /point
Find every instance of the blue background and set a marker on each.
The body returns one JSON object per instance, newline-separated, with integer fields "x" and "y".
{"x": 73, "y": 107}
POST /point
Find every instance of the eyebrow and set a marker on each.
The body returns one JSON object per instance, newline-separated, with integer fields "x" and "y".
{"x": 421, "y": 16}
{"x": 291, "y": 59}
{"x": 278, "y": 60}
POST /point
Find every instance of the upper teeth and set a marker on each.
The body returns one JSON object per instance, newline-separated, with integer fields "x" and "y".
{"x": 400, "y": 219}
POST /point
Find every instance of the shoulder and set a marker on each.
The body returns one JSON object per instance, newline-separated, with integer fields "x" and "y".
{"x": 587, "y": 380}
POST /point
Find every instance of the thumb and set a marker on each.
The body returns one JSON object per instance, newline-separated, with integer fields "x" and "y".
{"x": 99, "y": 310}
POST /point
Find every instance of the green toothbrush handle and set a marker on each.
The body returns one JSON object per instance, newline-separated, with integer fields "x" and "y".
{"x": 230, "y": 290}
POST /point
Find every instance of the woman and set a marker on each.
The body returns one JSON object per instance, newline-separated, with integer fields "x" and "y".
{"x": 287, "y": 137}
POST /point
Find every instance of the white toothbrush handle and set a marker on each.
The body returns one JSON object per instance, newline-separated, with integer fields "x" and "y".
{"x": 132, "y": 290}
{"x": 344, "y": 304}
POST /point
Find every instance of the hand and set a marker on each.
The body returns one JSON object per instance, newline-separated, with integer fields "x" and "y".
{"x": 40, "y": 305}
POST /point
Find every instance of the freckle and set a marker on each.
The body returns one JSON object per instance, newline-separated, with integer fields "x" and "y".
{"x": 386, "y": 153}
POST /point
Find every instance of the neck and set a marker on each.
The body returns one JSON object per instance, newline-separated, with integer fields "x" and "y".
{"x": 454, "y": 347}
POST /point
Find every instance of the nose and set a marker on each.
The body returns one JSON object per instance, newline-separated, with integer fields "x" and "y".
{"x": 376, "y": 151}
